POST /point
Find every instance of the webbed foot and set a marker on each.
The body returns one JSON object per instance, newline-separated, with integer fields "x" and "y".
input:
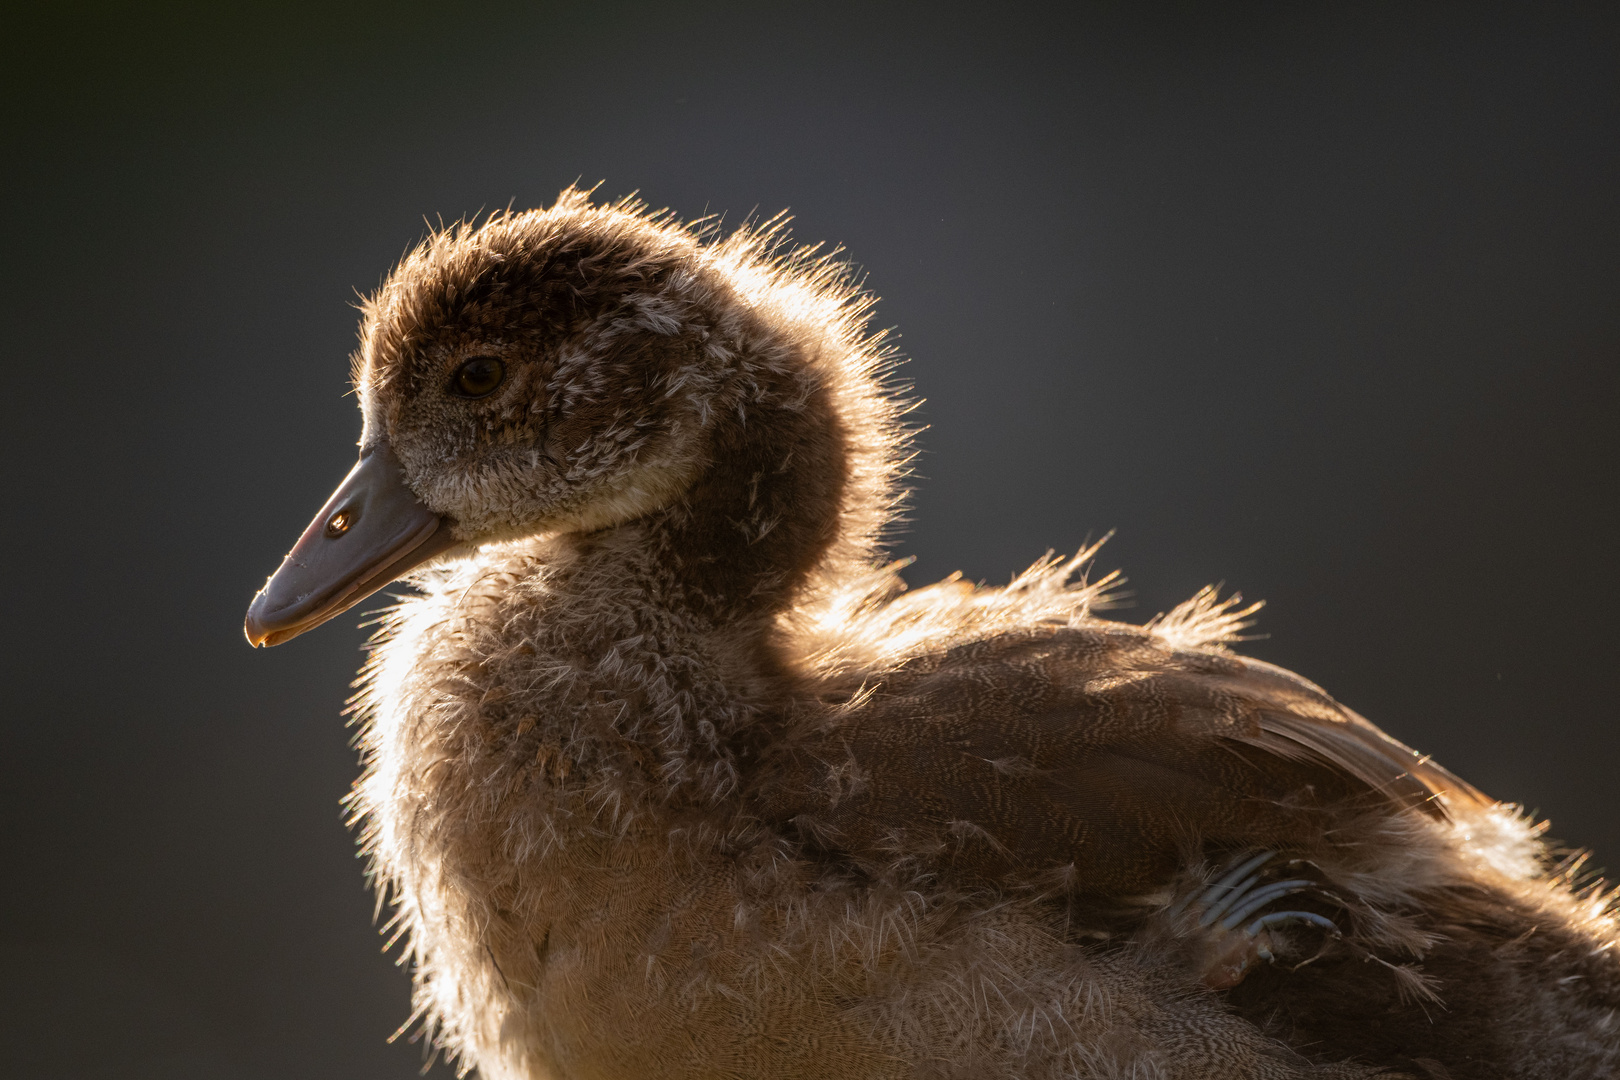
{"x": 1230, "y": 912}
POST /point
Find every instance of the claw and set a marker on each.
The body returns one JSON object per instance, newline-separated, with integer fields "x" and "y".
{"x": 1229, "y": 902}
{"x": 1225, "y": 884}
{"x": 1280, "y": 918}
{"x": 1233, "y": 895}
{"x": 1259, "y": 899}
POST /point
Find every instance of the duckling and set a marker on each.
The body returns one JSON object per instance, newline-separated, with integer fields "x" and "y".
{"x": 667, "y": 774}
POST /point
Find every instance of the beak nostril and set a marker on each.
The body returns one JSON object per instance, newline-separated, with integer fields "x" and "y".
{"x": 339, "y": 523}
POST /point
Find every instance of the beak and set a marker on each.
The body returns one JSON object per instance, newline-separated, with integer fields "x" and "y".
{"x": 371, "y": 531}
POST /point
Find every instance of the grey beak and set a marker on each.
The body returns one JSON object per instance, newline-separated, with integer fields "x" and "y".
{"x": 371, "y": 531}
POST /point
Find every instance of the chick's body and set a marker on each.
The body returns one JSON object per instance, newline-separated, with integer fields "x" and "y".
{"x": 666, "y": 774}
{"x": 579, "y": 910}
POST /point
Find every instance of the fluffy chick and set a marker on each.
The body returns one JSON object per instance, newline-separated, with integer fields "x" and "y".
{"x": 667, "y": 775}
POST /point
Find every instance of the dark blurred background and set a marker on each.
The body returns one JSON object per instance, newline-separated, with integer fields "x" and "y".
{"x": 1322, "y": 302}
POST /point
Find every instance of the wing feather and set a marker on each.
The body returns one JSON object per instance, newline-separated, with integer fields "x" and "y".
{"x": 1097, "y": 749}
{"x": 1298, "y": 721}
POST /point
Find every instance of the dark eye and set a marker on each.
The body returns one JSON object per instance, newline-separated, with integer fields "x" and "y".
{"x": 479, "y": 376}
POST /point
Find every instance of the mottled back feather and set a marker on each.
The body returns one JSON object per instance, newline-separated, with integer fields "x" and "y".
{"x": 1098, "y": 750}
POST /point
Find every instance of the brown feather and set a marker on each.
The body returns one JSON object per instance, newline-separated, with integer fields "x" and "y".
{"x": 1097, "y": 748}
{"x": 668, "y": 775}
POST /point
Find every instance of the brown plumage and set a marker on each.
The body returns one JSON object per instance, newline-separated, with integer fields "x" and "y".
{"x": 667, "y": 775}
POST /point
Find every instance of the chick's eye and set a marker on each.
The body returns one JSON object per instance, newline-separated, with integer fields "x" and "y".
{"x": 479, "y": 376}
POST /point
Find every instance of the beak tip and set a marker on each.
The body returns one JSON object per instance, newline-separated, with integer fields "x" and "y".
{"x": 254, "y": 629}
